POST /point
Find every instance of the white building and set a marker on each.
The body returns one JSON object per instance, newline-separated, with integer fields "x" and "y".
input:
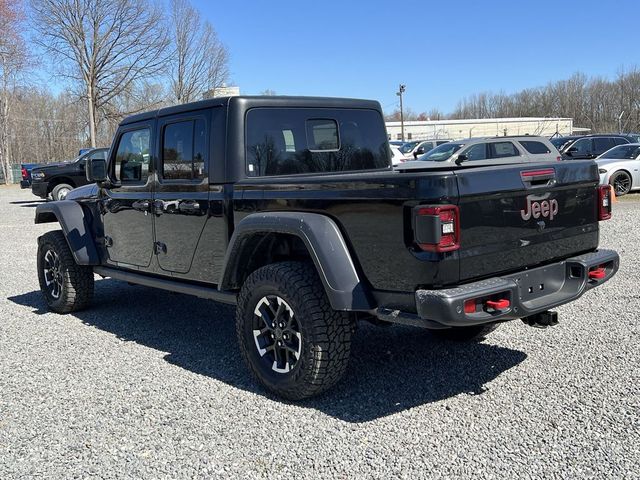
{"x": 223, "y": 91}
{"x": 483, "y": 127}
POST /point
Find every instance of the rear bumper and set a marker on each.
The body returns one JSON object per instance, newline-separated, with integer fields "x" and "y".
{"x": 39, "y": 189}
{"x": 529, "y": 292}
{"x": 25, "y": 183}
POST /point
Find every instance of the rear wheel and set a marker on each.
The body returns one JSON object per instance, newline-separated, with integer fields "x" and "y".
{"x": 60, "y": 191}
{"x": 65, "y": 285}
{"x": 621, "y": 182}
{"x": 465, "y": 334}
{"x": 291, "y": 339}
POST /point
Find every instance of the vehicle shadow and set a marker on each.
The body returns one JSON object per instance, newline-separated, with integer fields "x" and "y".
{"x": 28, "y": 203}
{"x": 392, "y": 368}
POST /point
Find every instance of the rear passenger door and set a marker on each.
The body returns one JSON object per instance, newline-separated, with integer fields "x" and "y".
{"x": 181, "y": 200}
{"x": 602, "y": 144}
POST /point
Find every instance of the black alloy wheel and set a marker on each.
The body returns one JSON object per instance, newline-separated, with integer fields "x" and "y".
{"x": 621, "y": 182}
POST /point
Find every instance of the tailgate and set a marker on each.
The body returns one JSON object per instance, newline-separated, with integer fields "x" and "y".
{"x": 517, "y": 216}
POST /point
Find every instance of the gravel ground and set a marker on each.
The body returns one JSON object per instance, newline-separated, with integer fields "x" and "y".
{"x": 148, "y": 384}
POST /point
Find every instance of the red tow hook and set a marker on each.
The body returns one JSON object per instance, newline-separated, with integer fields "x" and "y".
{"x": 501, "y": 304}
{"x": 597, "y": 273}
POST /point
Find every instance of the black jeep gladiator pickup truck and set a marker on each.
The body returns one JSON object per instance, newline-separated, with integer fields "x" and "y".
{"x": 289, "y": 208}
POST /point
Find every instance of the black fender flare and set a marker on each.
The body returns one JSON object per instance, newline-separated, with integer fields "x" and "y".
{"x": 325, "y": 245}
{"x": 71, "y": 217}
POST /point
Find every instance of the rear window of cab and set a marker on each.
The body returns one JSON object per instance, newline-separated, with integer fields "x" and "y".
{"x": 289, "y": 141}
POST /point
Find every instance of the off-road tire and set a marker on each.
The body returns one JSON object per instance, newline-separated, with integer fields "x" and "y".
{"x": 55, "y": 193}
{"x": 326, "y": 333}
{"x": 465, "y": 334}
{"x": 76, "y": 281}
{"x": 623, "y": 180}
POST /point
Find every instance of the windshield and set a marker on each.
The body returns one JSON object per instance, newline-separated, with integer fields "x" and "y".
{"x": 627, "y": 152}
{"x": 407, "y": 147}
{"x": 441, "y": 153}
{"x": 560, "y": 142}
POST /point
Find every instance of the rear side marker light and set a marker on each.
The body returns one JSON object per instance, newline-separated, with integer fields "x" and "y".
{"x": 501, "y": 304}
{"x": 597, "y": 273}
{"x": 604, "y": 202}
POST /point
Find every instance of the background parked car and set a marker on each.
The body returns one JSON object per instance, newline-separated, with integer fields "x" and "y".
{"x": 589, "y": 146}
{"x": 26, "y": 174}
{"x": 620, "y": 167}
{"x": 492, "y": 151}
{"x": 412, "y": 150}
{"x": 396, "y": 156}
{"x": 58, "y": 179}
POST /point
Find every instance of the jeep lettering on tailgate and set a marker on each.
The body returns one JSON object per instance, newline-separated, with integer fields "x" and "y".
{"x": 535, "y": 209}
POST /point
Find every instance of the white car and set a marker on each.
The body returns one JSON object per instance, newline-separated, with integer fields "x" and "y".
{"x": 620, "y": 167}
{"x": 396, "y": 156}
{"x": 412, "y": 150}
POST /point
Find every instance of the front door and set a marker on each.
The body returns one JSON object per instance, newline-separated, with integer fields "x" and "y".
{"x": 181, "y": 204}
{"x": 126, "y": 206}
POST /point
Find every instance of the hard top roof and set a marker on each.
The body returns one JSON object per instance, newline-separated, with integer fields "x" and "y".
{"x": 256, "y": 101}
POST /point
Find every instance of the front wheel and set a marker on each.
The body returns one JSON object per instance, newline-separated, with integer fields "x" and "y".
{"x": 61, "y": 191}
{"x": 65, "y": 285}
{"x": 621, "y": 182}
{"x": 291, "y": 339}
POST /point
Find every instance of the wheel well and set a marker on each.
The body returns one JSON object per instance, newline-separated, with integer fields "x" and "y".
{"x": 260, "y": 249}
{"x": 57, "y": 181}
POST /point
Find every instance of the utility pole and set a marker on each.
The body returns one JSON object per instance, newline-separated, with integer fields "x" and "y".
{"x": 620, "y": 121}
{"x": 399, "y": 93}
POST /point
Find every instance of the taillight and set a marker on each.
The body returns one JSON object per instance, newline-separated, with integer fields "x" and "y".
{"x": 558, "y": 158}
{"x": 604, "y": 202}
{"x": 437, "y": 228}
{"x": 24, "y": 173}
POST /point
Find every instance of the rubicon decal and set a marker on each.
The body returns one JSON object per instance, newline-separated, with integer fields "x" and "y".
{"x": 537, "y": 209}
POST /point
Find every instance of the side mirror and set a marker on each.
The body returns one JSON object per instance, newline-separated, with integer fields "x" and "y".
{"x": 461, "y": 158}
{"x": 570, "y": 151}
{"x": 96, "y": 170}
{"x": 419, "y": 151}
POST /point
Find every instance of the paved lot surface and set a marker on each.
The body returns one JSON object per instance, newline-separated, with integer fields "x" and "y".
{"x": 148, "y": 384}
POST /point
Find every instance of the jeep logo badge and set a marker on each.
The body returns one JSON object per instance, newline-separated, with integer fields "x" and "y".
{"x": 537, "y": 209}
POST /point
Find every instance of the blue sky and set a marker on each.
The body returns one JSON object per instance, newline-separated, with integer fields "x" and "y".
{"x": 441, "y": 50}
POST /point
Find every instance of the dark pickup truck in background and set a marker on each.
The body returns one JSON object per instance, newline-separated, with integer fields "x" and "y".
{"x": 58, "y": 179}
{"x": 289, "y": 208}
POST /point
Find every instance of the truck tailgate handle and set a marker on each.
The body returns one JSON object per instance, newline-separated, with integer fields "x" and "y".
{"x": 543, "y": 177}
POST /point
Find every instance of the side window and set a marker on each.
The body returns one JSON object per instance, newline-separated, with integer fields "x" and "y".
{"x": 602, "y": 144}
{"x": 534, "y": 147}
{"x": 133, "y": 156}
{"x": 184, "y": 147}
{"x": 503, "y": 149}
{"x": 582, "y": 146}
{"x": 289, "y": 141}
{"x": 477, "y": 152}
{"x": 100, "y": 154}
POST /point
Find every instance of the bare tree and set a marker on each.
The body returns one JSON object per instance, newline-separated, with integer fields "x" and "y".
{"x": 12, "y": 61}
{"x": 107, "y": 46}
{"x": 200, "y": 63}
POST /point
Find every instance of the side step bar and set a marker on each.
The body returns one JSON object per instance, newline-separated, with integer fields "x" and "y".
{"x": 166, "y": 284}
